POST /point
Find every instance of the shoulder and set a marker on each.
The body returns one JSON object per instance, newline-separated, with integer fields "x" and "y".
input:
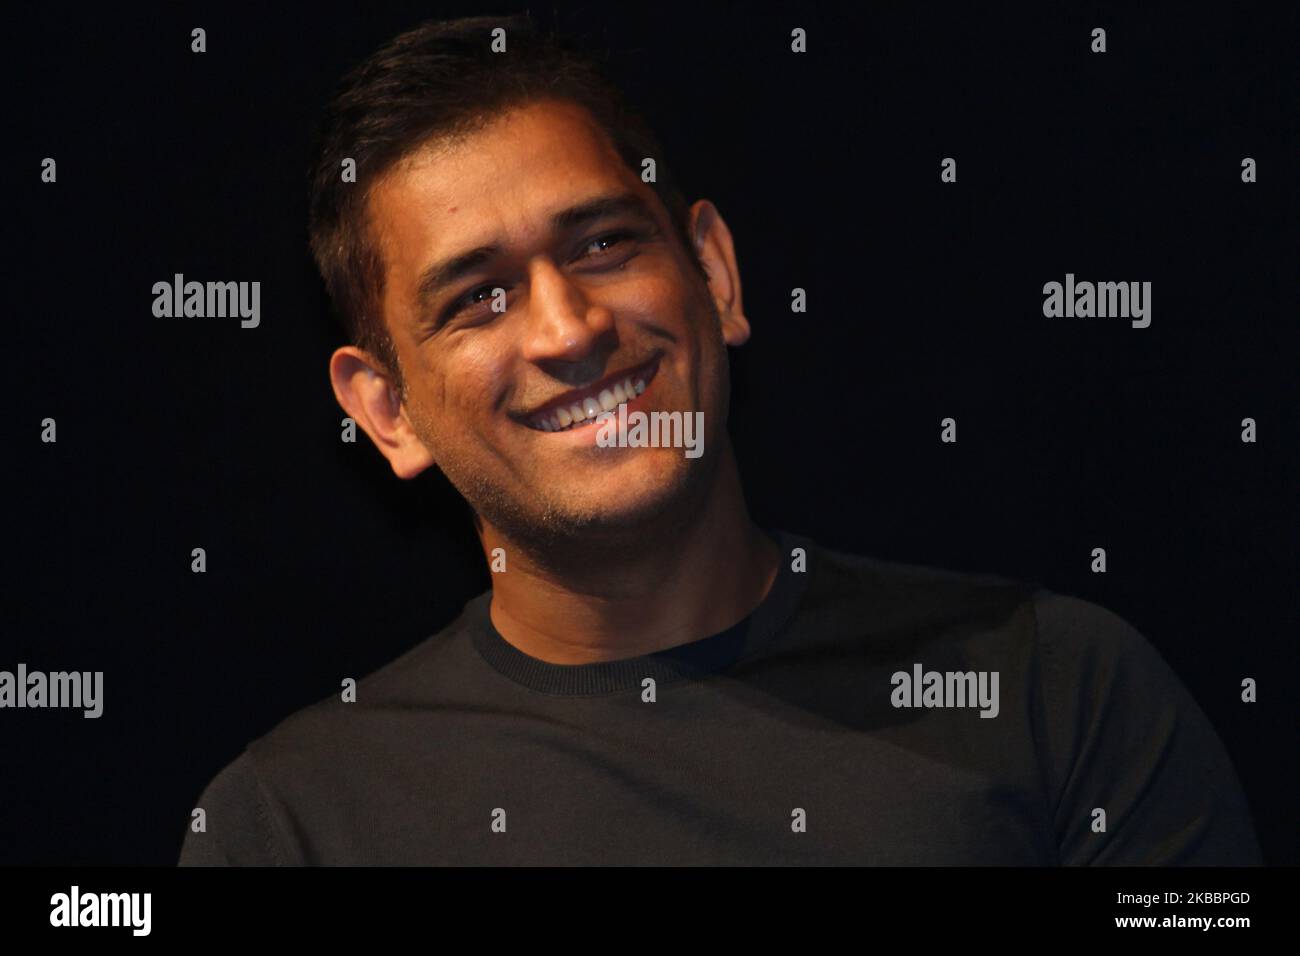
{"x": 230, "y": 824}
{"x": 1136, "y": 772}
{"x": 251, "y": 803}
{"x": 898, "y": 595}
{"x": 1075, "y": 629}
{"x": 1075, "y": 638}
{"x": 1092, "y": 660}
{"x": 418, "y": 678}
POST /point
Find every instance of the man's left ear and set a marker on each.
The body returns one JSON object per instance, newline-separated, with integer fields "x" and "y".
{"x": 713, "y": 244}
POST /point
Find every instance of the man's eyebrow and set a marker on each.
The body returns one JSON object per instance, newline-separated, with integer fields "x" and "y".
{"x": 602, "y": 207}
{"x": 444, "y": 273}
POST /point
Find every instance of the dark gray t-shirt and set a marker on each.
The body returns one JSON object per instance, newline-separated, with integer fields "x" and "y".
{"x": 778, "y": 741}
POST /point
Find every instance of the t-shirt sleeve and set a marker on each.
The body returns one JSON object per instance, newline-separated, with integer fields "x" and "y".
{"x": 238, "y": 831}
{"x": 1120, "y": 733}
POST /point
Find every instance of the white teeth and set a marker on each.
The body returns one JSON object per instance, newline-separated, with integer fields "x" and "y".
{"x": 593, "y": 405}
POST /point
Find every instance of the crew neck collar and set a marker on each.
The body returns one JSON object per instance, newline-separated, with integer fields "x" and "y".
{"x": 693, "y": 660}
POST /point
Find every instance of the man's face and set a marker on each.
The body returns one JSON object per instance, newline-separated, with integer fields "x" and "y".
{"x": 595, "y": 298}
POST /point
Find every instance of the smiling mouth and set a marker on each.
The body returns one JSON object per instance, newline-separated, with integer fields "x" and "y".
{"x": 579, "y": 409}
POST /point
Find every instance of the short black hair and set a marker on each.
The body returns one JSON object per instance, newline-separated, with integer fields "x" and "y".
{"x": 442, "y": 79}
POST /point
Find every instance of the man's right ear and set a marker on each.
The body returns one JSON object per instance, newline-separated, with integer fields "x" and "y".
{"x": 367, "y": 395}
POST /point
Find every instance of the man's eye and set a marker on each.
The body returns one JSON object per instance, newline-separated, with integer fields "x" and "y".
{"x": 604, "y": 243}
{"x": 468, "y": 299}
{"x": 486, "y": 290}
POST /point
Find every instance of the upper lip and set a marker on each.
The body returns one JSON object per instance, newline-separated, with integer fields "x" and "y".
{"x": 642, "y": 371}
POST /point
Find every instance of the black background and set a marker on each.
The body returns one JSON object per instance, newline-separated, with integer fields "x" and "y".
{"x": 925, "y": 301}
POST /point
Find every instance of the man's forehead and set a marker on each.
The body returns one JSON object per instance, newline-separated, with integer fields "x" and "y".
{"x": 536, "y": 154}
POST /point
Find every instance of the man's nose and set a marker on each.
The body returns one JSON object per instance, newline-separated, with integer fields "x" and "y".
{"x": 563, "y": 323}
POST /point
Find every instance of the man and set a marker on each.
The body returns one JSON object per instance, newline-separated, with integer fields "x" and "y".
{"x": 652, "y": 679}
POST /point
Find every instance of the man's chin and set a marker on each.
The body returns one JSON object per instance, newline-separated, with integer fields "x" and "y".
{"x": 599, "y": 513}
{"x": 614, "y": 507}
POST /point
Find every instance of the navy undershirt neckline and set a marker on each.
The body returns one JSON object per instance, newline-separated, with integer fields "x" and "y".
{"x": 691, "y": 661}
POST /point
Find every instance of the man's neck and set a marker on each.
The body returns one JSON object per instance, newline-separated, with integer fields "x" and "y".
{"x": 642, "y": 598}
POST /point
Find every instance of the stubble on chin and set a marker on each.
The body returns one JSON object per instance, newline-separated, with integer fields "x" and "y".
{"x": 557, "y": 529}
